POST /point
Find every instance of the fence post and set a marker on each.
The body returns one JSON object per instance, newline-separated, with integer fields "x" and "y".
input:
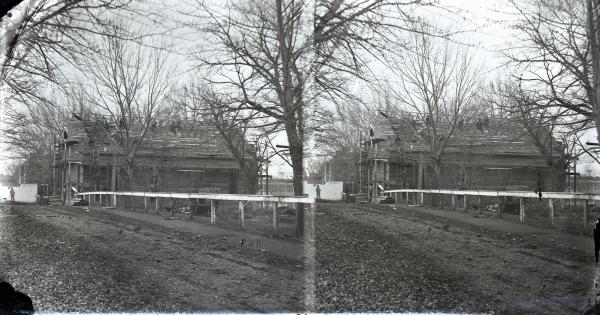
{"x": 453, "y": 201}
{"x": 101, "y": 200}
{"x": 275, "y": 223}
{"x": 500, "y": 207}
{"x": 115, "y": 200}
{"x": 131, "y": 201}
{"x": 242, "y": 216}
{"x": 522, "y": 210}
{"x": 551, "y": 211}
{"x": 585, "y": 216}
{"x": 156, "y": 204}
{"x": 465, "y": 202}
{"x": 146, "y": 204}
{"x": 396, "y": 200}
{"x": 421, "y": 199}
{"x": 480, "y": 205}
{"x": 212, "y": 212}
{"x": 172, "y": 207}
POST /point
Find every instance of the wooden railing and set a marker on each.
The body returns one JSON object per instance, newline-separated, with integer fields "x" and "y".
{"x": 418, "y": 197}
{"x": 212, "y": 197}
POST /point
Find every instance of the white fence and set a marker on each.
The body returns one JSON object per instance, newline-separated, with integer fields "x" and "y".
{"x": 274, "y": 200}
{"x": 404, "y": 196}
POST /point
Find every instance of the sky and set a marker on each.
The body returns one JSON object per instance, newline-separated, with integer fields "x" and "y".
{"x": 483, "y": 24}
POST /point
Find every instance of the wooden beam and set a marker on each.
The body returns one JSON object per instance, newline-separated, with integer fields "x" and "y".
{"x": 209, "y": 196}
{"x": 453, "y": 202}
{"x": 146, "y": 204}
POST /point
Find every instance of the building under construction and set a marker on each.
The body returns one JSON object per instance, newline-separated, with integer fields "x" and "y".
{"x": 174, "y": 157}
{"x": 483, "y": 154}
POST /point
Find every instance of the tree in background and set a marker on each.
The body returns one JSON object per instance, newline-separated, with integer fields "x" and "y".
{"x": 129, "y": 84}
{"x": 201, "y": 106}
{"x": 560, "y": 64}
{"x": 551, "y": 135}
{"x": 439, "y": 82}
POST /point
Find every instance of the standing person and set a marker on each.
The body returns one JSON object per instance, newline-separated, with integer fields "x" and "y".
{"x": 12, "y": 195}
{"x": 74, "y": 191}
{"x": 597, "y": 239}
{"x": 318, "y": 189}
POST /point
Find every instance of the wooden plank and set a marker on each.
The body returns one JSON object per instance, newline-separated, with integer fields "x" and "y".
{"x": 146, "y": 204}
{"x": 517, "y": 194}
{"x": 453, "y": 202}
{"x": 465, "y": 202}
{"x": 115, "y": 201}
{"x": 210, "y": 196}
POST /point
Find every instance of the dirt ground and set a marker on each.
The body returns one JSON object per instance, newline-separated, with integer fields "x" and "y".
{"x": 69, "y": 259}
{"x": 377, "y": 258}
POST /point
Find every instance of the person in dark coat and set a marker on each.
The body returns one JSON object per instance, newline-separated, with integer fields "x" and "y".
{"x": 13, "y": 301}
{"x": 318, "y": 189}
{"x": 597, "y": 239}
{"x": 12, "y": 195}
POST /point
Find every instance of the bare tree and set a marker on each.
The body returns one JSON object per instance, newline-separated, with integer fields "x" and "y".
{"x": 130, "y": 84}
{"x": 553, "y": 136}
{"x": 41, "y": 36}
{"x": 560, "y": 63}
{"x": 281, "y": 70}
{"x": 202, "y": 106}
{"x": 439, "y": 82}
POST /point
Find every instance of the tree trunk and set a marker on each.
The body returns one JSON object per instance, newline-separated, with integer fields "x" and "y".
{"x": 437, "y": 173}
{"x": 593, "y": 32}
{"x": 297, "y": 157}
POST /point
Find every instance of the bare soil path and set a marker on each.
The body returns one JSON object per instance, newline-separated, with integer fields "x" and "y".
{"x": 68, "y": 259}
{"x": 376, "y": 258}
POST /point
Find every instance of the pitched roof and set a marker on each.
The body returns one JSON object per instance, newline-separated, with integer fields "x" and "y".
{"x": 491, "y": 136}
{"x": 188, "y": 141}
